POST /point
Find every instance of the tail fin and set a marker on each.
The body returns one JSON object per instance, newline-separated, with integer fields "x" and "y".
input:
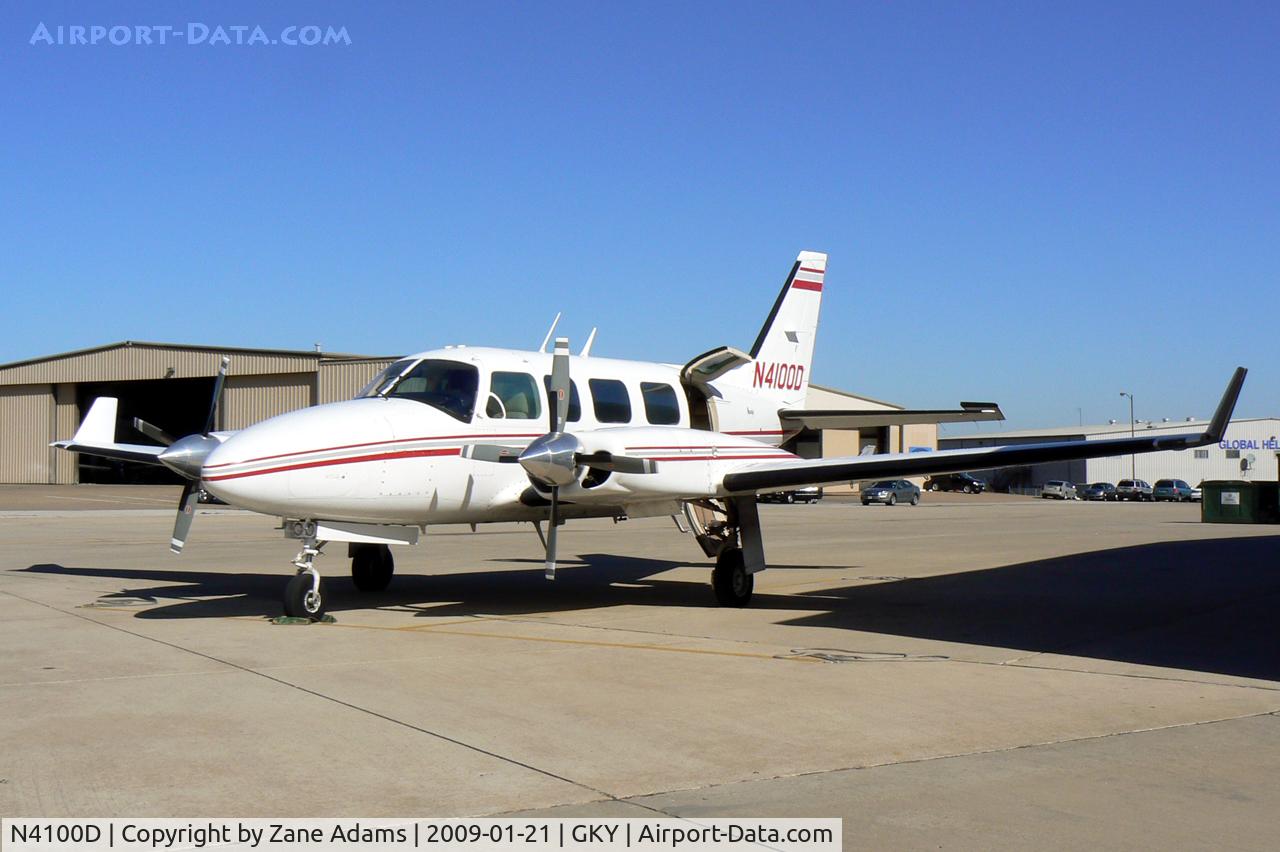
{"x": 783, "y": 352}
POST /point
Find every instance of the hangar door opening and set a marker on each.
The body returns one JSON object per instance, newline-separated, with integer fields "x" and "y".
{"x": 178, "y": 406}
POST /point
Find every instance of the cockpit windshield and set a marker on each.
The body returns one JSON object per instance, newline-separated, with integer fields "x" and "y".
{"x": 446, "y": 385}
{"x": 387, "y": 374}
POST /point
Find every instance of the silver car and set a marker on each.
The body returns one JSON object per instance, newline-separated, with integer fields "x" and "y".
{"x": 1058, "y": 488}
{"x": 891, "y": 491}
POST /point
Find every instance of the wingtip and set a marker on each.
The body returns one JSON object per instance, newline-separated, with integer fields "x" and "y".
{"x": 1226, "y": 407}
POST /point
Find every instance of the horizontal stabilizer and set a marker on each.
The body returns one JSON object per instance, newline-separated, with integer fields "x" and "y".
{"x": 97, "y": 436}
{"x": 968, "y": 412}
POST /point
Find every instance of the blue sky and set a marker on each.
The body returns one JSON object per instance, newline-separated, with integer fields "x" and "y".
{"x": 1041, "y": 204}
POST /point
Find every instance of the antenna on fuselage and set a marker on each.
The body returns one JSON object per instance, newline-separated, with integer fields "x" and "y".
{"x": 586, "y": 350}
{"x": 555, "y": 322}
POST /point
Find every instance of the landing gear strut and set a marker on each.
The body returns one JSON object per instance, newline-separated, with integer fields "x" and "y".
{"x": 304, "y": 596}
{"x": 371, "y": 566}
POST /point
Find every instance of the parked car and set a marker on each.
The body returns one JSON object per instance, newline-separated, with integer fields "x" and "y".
{"x": 1058, "y": 488}
{"x": 1196, "y": 495}
{"x": 808, "y": 494}
{"x": 1173, "y": 490}
{"x": 891, "y": 491}
{"x": 965, "y": 482}
{"x": 1133, "y": 489}
{"x": 1097, "y": 491}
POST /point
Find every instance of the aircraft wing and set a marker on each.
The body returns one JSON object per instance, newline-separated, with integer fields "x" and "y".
{"x": 791, "y": 473}
{"x": 97, "y": 436}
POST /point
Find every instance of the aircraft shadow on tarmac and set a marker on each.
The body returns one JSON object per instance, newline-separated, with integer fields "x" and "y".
{"x": 1207, "y": 605}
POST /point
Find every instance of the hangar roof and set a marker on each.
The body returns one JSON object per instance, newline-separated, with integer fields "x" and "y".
{"x": 840, "y": 398}
{"x": 139, "y": 359}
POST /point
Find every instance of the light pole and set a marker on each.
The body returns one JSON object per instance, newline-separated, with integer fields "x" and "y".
{"x": 1133, "y": 470}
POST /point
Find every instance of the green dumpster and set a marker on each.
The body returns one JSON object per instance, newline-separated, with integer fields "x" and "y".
{"x": 1235, "y": 501}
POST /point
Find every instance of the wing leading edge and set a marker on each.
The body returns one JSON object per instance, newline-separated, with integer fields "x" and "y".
{"x": 796, "y": 472}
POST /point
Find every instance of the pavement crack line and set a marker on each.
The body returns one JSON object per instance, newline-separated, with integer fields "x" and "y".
{"x": 606, "y": 796}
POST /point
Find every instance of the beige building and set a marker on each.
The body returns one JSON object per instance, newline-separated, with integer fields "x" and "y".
{"x": 828, "y": 443}
{"x": 170, "y": 385}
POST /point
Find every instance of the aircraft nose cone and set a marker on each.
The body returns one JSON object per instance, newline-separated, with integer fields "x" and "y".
{"x": 186, "y": 456}
{"x": 550, "y": 459}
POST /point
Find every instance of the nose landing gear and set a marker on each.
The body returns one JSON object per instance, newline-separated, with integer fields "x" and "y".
{"x": 304, "y": 596}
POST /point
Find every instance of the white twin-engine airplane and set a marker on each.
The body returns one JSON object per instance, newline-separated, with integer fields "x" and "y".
{"x": 476, "y": 435}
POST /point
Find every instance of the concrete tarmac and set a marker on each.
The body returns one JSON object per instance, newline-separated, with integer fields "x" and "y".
{"x": 975, "y": 672}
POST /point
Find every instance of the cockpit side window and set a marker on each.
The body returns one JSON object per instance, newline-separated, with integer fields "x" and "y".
{"x": 447, "y": 385}
{"x": 513, "y": 396}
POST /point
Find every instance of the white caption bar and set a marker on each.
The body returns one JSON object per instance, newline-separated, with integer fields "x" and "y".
{"x": 480, "y": 835}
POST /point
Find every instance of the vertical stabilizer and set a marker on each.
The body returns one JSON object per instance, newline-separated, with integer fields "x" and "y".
{"x": 783, "y": 352}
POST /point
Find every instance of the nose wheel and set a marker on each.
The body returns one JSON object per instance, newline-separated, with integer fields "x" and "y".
{"x": 304, "y": 596}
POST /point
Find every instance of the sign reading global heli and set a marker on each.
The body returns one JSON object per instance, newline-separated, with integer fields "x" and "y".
{"x": 478, "y": 435}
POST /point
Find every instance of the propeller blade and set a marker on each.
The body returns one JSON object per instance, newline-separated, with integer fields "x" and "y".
{"x": 554, "y": 524}
{"x": 186, "y": 511}
{"x": 155, "y": 433}
{"x": 560, "y": 385}
{"x": 217, "y": 394}
{"x": 491, "y": 453}
{"x": 618, "y": 464}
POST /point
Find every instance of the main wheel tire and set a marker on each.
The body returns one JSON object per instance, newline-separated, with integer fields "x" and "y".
{"x": 915, "y": 499}
{"x": 893, "y": 498}
{"x": 933, "y": 486}
{"x": 789, "y": 497}
{"x": 372, "y": 567}
{"x": 730, "y": 580}
{"x": 300, "y": 601}
{"x": 968, "y": 489}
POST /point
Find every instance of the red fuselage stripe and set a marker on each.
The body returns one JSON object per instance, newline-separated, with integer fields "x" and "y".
{"x": 366, "y": 444}
{"x": 402, "y": 454}
{"x": 816, "y": 286}
{"x": 807, "y": 269}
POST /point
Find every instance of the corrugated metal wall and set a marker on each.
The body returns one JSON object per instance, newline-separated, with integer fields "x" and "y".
{"x": 26, "y": 414}
{"x": 1212, "y": 463}
{"x": 341, "y": 380}
{"x": 142, "y": 361}
{"x": 249, "y": 399}
{"x": 66, "y": 420}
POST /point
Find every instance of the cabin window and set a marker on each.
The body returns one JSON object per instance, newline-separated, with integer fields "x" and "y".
{"x": 610, "y": 400}
{"x": 513, "y": 396}
{"x": 446, "y": 385}
{"x": 660, "y": 405}
{"x": 575, "y": 401}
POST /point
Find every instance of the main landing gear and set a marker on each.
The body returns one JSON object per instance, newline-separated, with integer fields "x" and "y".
{"x": 371, "y": 566}
{"x": 730, "y": 580}
{"x": 729, "y": 530}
